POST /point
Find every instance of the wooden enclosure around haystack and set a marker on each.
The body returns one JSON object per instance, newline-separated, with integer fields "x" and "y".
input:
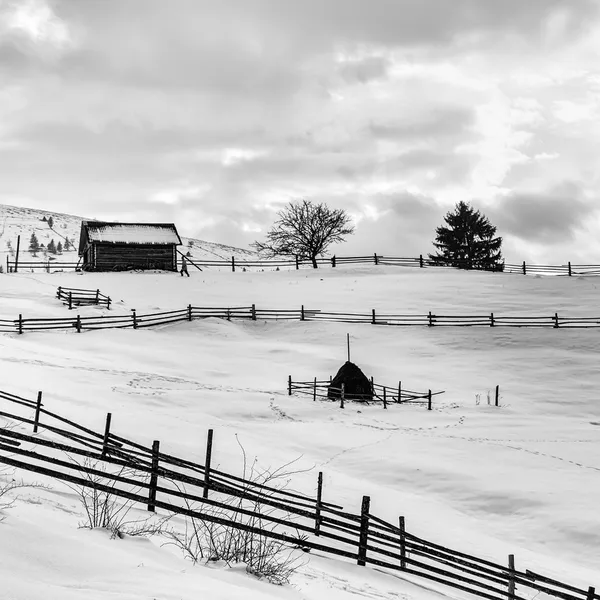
{"x": 357, "y": 385}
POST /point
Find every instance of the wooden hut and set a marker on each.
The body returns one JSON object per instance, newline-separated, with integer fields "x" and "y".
{"x": 356, "y": 384}
{"x": 123, "y": 246}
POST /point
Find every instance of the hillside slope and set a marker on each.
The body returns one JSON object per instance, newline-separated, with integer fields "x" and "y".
{"x": 15, "y": 221}
{"x": 521, "y": 478}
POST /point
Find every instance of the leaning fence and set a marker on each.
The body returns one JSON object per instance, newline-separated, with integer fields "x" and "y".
{"x": 68, "y": 451}
{"x": 137, "y": 321}
{"x": 236, "y": 264}
{"x": 81, "y": 297}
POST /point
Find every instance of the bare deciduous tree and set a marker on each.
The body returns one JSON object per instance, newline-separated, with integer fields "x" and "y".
{"x": 306, "y": 230}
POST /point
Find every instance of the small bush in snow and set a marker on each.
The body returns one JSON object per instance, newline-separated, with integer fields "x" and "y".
{"x": 104, "y": 509}
{"x": 264, "y": 557}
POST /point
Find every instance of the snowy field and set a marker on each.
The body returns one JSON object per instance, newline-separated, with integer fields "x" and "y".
{"x": 523, "y": 478}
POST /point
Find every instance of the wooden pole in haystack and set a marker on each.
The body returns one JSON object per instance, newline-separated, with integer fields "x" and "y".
{"x": 348, "y": 344}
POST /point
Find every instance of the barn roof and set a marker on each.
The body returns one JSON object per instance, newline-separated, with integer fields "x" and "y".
{"x": 128, "y": 233}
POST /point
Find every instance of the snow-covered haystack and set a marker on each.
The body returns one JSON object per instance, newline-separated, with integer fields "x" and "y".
{"x": 356, "y": 384}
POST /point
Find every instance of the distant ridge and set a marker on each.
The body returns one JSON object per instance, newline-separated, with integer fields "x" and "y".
{"x": 16, "y": 220}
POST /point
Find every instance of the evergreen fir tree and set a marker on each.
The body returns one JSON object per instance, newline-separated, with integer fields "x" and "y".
{"x": 34, "y": 245}
{"x": 67, "y": 244}
{"x": 52, "y": 246}
{"x": 467, "y": 241}
{"x": 50, "y": 222}
{"x": 44, "y": 219}
{"x": 59, "y": 247}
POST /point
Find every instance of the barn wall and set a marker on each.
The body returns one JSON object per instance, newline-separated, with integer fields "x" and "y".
{"x": 110, "y": 257}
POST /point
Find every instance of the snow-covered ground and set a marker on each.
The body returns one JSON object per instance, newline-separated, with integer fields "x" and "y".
{"x": 522, "y": 478}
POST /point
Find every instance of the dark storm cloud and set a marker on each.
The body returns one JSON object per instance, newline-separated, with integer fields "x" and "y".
{"x": 554, "y": 216}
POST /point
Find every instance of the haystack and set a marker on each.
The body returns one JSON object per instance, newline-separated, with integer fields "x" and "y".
{"x": 356, "y": 384}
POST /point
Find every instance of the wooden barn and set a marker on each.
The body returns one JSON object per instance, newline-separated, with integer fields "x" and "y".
{"x": 123, "y": 246}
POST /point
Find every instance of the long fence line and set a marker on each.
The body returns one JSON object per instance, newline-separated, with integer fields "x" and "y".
{"x": 420, "y": 261}
{"x": 381, "y": 393}
{"x": 190, "y": 313}
{"x": 65, "y": 450}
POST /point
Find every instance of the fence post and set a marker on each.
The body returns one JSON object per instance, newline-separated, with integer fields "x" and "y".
{"x": 373, "y": 322}
{"x": 189, "y": 312}
{"x": 364, "y": 531}
{"x": 399, "y": 392}
{"x": 153, "y": 476}
{"x": 497, "y": 396}
{"x": 233, "y": 264}
{"x": 97, "y": 296}
{"x": 58, "y": 291}
{"x": 297, "y": 263}
{"x": 429, "y": 400}
{"x": 315, "y": 391}
{"x": 17, "y": 254}
{"x": 318, "y": 509}
{"x": 591, "y": 593}
{"x": 134, "y": 317}
{"x": 106, "y": 433}
{"x": 20, "y": 324}
{"x": 289, "y": 385}
{"x": 108, "y": 301}
{"x": 492, "y": 320}
{"x": 7, "y": 267}
{"x": 209, "y": 444}
{"x": 333, "y": 261}
{"x": 70, "y": 300}
{"x": 375, "y": 258}
{"x": 342, "y": 396}
{"x": 253, "y": 312}
{"x": 402, "y": 543}
{"x": 430, "y": 317}
{"x": 570, "y": 273}
{"x": 511, "y": 576}
{"x": 78, "y": 324}
{"x": 524, "y": 268}
{"x": 384, "y": 398}
{"x": 38, "y": 407}
{"x": 555, "y": 320}
{"x": 302, "y": 313}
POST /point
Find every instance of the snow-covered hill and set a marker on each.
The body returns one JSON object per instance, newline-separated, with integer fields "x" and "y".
{"x": 521, "y": 478}
{"x": 61, "y": 228}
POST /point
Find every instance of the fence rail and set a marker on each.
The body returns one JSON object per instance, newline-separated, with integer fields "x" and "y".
{"x": 134, "y": 320}
{"x": 65, "y": 450}
{"x": 297, "y": 262}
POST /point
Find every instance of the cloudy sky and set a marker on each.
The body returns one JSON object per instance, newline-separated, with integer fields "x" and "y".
{"x": 215, "y": 113}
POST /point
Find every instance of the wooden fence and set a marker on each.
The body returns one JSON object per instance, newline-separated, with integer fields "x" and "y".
{"x": 65, "y": 450}
{"x": 381, "y": 393}
{"x": 136, "y": 321}
{"x": 237, "y": 264}
{"x": 80, "y": 297}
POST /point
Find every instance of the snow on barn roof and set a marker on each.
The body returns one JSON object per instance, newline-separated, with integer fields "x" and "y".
{"x": 131, "y": 233}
